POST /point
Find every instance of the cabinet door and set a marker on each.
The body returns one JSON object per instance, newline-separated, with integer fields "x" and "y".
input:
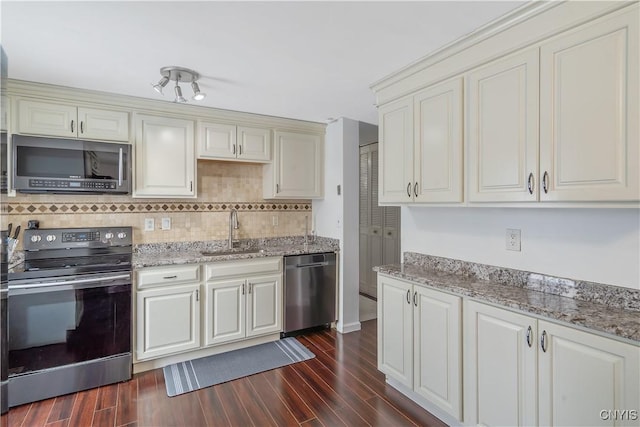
{"x": 43, "y": 118}
{"x": 589, "y": 140}
{"x": 168, "y": 321}
{"x": 165, "y": 158}
{"x": 297, "y": 165}
{"x": 499, "y": 367}
{"x": 582, "y": 374}
{"x": 217, "y": 141}
{"x": 254, "y": 144}
{"x": 103, "y": 124}
{"x": 224, "y": 313}
{"x": 264, "y": 305}
{"x": 395, "y": 329}
{"x": 396, "y": 152}
{"x": 437, "y": 153}
{"x": 437, "y": 351}
{"x": 503, "y": 130}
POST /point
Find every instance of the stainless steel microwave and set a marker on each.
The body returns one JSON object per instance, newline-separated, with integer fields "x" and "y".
{"x": 51, "y": 165}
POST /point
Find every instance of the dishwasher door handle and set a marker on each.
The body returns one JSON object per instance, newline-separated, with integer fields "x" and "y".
{"x": 313, "y": 264}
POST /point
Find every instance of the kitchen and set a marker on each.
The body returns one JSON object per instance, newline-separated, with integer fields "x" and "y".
{"x": 591, "y": 244}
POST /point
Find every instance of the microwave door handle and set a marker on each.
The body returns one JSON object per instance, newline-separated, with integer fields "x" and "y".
{"x": 120, "y": 168}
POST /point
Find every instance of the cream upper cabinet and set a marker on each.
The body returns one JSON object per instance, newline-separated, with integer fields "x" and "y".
{"x": 589, "y": 139}
{"x": 522, "y": 371}
{"x": 164, "y": 157}
{"x": 395, "y": 160}
{"x": 584, "y": 378}
{"x": 231, "y": 142}
{"x": 502, "y": 133}
{"x": 49, "y": 119}
{"x": 419, "y": 342}
{"x": 437, "y": 152}
{"x": 500, "y": 360}
{"x": 421, "y": 146}
{"x": 297, "y": 168}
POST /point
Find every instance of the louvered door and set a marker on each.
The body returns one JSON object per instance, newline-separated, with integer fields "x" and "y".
{"x": 379, "y": 225}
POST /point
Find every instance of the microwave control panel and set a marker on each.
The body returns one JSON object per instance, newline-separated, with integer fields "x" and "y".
{"x": 61, "y": 183}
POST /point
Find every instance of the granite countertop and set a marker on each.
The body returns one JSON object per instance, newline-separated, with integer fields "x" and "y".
{"x": 615, "y": 321}
{"x": 193, "y": 256}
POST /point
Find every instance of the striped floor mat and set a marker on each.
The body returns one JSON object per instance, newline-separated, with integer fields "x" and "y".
{"x": 195, "y": 374}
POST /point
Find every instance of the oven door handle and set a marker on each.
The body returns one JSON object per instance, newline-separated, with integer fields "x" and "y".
{"x": 73, "y": 284}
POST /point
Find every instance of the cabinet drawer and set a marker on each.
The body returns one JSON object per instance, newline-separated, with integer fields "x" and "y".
{"x": 217, "y": 270}
{"x": 164, "y": 276}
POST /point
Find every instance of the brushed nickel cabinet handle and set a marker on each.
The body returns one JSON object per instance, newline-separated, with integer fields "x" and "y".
{"x": 409, "y": 189}
{"x": 197, "y": 295}
{"x": 82, "y": 127}
{"x": 408, "y": 296}
{"x": 545, "y": 182}
{"x": 250, "y": 286}
{"x": 72, "y": 126}
{"x": 277, "y": 188}
{"x": 415, "y": 189}
{"x": 234, "y": 149}
{"x": 190, "y": 185}
{"x": 415, "y": 298}
{"x": 529, "y": 340}
{"x": 243, "y": 289}
{"x": 170, "y": 277}
{"x": 530, "y": 183}
{"x": 239, "y": 150}
{"x": 543, "y": 341}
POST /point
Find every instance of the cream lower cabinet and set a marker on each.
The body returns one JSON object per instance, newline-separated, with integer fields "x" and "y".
{"x": 297, "y": 170}
{"x": 524, "y": 371}
{"x": 419, "y": 341}
{"x": 165, "y": 161}
{"x": 242, "y": 299}
{"x": 167, "y": 311}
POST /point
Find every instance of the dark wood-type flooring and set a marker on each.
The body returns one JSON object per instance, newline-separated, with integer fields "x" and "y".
{"x": 339, "y": 387}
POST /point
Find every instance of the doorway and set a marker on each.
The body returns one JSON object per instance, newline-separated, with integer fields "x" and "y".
{"x": 379, "y": 230}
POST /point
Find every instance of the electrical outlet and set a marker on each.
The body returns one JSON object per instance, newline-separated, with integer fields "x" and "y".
{"x": 149, "y": 224}
{"x": 166, "y": 223}
{"x": 513, "y": 239}
{"x": 274, "y": 220}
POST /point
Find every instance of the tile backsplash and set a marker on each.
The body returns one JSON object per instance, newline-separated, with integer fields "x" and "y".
{"x": 221, "y": 187}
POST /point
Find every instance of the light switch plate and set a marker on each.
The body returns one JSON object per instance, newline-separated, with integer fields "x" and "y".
{"x": 149, "y": 224}
{"x": 166, "y": 223}
{"x": 513, "y": 239}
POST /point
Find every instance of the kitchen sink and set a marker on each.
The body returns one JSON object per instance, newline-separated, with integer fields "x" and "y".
{"x": 238, "y": 251}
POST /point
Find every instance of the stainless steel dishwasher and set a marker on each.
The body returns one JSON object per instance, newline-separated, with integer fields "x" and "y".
{"x": 309, "y": 291}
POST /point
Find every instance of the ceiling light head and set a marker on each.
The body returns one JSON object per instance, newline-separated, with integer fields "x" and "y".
{"x": 179, "y": 98}
{"x": 162, "y": 83}
{"x": 197, "y": 95}
{"x": 180, "y": 74}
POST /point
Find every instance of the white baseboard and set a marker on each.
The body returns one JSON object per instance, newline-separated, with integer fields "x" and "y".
{"x": 433, "y": 409}
{"x": 349, "y": 327}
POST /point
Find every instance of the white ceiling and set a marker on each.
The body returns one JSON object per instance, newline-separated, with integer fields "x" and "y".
{"x": 304, "y": 60}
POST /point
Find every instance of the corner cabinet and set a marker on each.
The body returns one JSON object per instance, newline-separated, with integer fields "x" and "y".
{"x": 419, "y": 342}
{"x": 164, "y": 157}
{"x": 297, "y": 168}
{"x": 421, "y": 147}
{"x": 220, "y": 141}
{"x": 50, "y": 119}
{"x": 523, "y": 371}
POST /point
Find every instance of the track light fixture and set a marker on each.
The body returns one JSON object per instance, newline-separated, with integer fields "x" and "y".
{"x": 179, "y": 74}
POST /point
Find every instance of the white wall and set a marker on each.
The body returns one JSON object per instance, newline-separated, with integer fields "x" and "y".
{"x": 599, "y": 245}
{"x": 336, "y": 215}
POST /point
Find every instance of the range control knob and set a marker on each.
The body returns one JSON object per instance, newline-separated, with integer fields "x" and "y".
{"x": 108, "y": 236}
{"x": 36, "y": 238}
{"x": 122, "y": 235}
{"x": 51, "y": 238}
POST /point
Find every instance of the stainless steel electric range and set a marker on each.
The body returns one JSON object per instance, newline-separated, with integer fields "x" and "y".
{"x": 69, "y": 317}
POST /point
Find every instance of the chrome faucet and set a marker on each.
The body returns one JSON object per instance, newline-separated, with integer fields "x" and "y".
{"x": 233, "y": 224}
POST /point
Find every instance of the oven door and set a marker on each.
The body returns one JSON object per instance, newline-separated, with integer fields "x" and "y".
{"x": 68, "y": 321}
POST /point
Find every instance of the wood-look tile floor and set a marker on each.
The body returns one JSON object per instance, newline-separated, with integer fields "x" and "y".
{"x": 339, "y": 387}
